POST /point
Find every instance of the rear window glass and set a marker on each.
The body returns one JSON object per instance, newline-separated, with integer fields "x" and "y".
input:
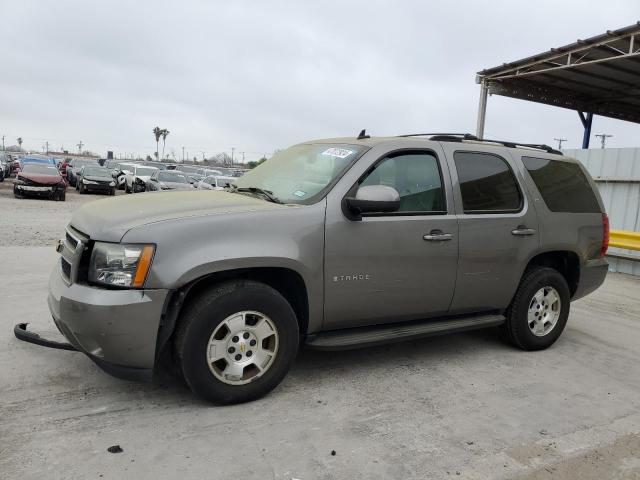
{"x": 487, "y": 183}
{"x": 563, "y": 185}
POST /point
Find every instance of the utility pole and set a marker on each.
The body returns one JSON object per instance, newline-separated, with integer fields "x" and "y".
{"x": 603, "y": 138}
{"x": 202, "y": 151}
{"x": 47, "y": 145}
{"x": 182, "y": 154}
{"x": 233, "y": 149}
{"x": 560, "y": 140}
{"x": 80, "y": 146}
{"x": 243, "y": 156}
{"x": 3, "y": 143}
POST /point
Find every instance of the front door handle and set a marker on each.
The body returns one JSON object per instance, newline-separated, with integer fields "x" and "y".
{"x": 437, "y": 236}
{"x": 522, "y": 231}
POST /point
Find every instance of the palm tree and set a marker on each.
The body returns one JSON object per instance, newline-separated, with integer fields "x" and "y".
{"x": 164, "y": 132}
{"x": 157, "y": 132}
{"x": 20, "y": 142}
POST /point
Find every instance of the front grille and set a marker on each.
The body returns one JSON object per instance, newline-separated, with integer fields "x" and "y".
{"x": 73, "y": 248}
{"x": 66, "y": 269}
{"x": 73, "y": 243}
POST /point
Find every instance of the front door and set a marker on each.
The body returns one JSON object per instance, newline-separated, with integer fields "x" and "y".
{"x": 396, "y": 266}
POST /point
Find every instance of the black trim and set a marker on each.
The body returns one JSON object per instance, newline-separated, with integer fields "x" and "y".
{"x": 489, "y": 212}
{"x": 354, "y": 188}
{"x": 21, "y": 333}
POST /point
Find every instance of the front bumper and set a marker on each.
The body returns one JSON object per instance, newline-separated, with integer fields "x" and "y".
{"x": 117, "y": 329}
{"x": 99, "y": 187}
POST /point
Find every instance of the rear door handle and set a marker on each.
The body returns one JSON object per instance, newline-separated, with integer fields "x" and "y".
{"x": 437, "y": 236}
{"x": 522, "y": 231}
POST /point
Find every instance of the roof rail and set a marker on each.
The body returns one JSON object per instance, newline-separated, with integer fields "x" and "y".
{"x": 459, "y": 137}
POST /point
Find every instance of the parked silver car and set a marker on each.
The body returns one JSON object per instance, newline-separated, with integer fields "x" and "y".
{"x": 337, "y": 243}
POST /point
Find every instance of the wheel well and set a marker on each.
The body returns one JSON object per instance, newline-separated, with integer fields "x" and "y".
{"x": 565, "y": 262}
{"x": 286, "y": 281}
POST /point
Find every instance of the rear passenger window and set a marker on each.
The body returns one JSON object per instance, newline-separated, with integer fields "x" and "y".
{"x": 487, "y": 183}
{"x": 563, "y": 185}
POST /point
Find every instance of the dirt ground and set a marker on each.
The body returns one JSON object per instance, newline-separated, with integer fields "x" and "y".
{"x": 459, "y": 406}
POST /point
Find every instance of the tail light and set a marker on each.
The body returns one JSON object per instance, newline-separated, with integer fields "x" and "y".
{"x": 605, "y": 235}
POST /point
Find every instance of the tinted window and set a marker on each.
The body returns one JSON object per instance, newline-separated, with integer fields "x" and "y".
{"x": 563, "y": 185}
{"x": 487, "y": 183}
{"x": 415, "y": 176}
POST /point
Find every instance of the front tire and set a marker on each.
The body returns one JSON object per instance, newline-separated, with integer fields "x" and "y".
{"x": 236, "y": 341}
{"x": 539, "y": 310}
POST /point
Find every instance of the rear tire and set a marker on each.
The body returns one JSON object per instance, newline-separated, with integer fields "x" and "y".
{"x": 211, "y": 326}
{"x": 539, "y": 310}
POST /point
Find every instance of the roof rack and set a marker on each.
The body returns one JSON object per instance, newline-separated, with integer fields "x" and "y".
{"x": 459, "y": 137}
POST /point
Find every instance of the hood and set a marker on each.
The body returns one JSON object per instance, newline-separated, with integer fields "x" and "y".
{"x": 43, "y": 179}
{"x": 109, "y": 219}
{"x": 146, "y": 178}
{"x": 98, "y": 179}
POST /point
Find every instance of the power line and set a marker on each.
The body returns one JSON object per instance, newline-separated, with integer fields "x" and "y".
{"x": 560, "y": 140}
{"x": 603, "y": 138}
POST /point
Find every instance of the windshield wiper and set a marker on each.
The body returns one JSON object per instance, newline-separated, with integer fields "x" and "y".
{"x": 268, "y": 194}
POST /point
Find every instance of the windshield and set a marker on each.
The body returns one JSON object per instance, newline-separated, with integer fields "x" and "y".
{"x": 169, "y": 176}
{"x": 145, "y": 171}
{"x": 41, "y": 169}
{"x": 300, "y": 174}
{"x": 96, "y": 172}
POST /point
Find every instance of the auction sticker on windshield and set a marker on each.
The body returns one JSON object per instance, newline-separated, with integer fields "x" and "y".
{"x": 338, "y": 152}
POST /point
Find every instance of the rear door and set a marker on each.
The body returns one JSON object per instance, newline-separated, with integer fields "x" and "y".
{"x": 498, "y": 226}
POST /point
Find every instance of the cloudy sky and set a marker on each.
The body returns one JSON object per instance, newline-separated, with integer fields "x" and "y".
{"x": 263, "y": 75}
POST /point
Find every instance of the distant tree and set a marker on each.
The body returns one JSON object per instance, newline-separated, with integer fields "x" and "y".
{"x": 157, "y": 132}
{"x": 255, "y": 163}
{"x": 164, "y": 133}
{"x": 20, "y": 143}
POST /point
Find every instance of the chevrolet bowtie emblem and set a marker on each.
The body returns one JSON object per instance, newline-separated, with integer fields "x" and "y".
{"x": 242, "y": 347}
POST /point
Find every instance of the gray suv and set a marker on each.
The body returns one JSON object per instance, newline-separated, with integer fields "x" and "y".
{"x": 336, "y": 244}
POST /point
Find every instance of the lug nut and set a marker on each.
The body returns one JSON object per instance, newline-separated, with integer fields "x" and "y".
{"x": 235, "y": 339}
{"x": 238, "y": 357}
{"x": 245, "y": 335}
{"x": 231, "y": 350}
{"x": 252, "y": 343}
{"x": 249, "y": 353}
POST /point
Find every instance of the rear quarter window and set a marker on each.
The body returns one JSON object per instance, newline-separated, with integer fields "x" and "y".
{"x": 563, "y": 185}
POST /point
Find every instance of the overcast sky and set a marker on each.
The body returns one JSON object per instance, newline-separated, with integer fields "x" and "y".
{"x": 263, "y": 75}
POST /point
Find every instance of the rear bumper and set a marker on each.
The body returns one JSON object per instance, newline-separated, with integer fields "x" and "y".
{"x": 592, "y": 275}
{"x": 117, "y": 329}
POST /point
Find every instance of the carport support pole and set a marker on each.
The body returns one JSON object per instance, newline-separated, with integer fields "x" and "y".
{"x": 586, "y": 123}
{"x": 482, "y": 107}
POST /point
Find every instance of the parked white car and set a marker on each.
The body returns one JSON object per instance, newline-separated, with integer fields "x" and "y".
{"x": 136, "y": 180}
{"x": 214, "y": 182}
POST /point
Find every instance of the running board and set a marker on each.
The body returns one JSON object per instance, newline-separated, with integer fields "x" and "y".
{"x": 381, "y": 334}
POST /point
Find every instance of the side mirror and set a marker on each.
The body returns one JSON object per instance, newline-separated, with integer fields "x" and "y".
{"x": 374, "y": 198}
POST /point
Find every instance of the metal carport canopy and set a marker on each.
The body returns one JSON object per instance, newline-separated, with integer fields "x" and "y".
{"x": 596, "y": 76}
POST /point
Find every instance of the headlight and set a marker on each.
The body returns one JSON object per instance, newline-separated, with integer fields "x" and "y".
{"x": 112, "y": 184}
{"x": 89, "y": 182}
{"x": 120, "y": 265}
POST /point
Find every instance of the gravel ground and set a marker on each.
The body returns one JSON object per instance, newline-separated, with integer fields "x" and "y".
{"x": 34, "y": 221}
{"x": 457, "y": 406}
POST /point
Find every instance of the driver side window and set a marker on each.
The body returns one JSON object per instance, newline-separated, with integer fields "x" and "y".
{"x": 416, "y": 177}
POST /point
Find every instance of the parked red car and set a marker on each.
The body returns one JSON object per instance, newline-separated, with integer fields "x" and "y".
{"x": 41, "y": 181}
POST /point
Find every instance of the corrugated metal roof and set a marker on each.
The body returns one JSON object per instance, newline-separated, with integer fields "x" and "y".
{"x": 600, "y": 75}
